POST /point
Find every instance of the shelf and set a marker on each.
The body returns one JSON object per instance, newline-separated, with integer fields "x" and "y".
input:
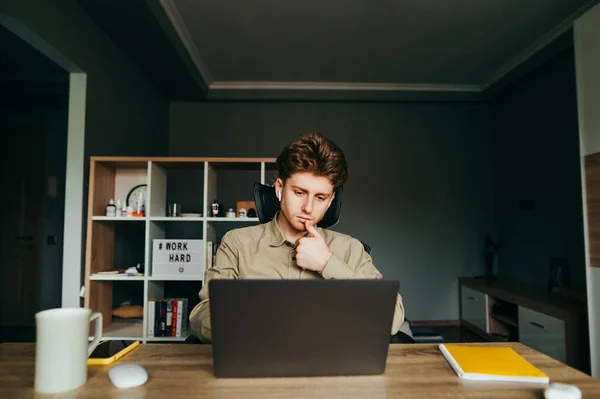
{"x": 119, "y": 218}
{"x": 176, "y": 278}
{"x": 113, "y": 244}
{"x": 505, "y": 320}
{"x": 183, "y": 337}
{"x": 224, "y": 219}
{"x": 124, "y": 329}
{"x": 115, "y": 277}
{"x": 175, "y": 219}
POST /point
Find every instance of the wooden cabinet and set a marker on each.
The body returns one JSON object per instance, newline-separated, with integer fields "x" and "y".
{"x": 508, "y": 311}
{"x": 543, "y": 333}
{"x": 474, "y": 308}
{"x": 117, "y": 243}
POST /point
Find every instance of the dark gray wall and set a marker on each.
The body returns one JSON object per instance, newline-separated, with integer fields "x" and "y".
{"x": 125, "y": 115}
{"x": 419, "y": 192}
{"x": 539, "y": 209}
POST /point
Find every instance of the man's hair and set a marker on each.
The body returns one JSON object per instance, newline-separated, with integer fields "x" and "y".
{"x": 315, "y": 154}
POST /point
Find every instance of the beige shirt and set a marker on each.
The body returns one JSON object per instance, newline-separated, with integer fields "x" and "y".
{"x": 263, "y": 252}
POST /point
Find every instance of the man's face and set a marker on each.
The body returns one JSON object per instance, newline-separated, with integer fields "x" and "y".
{"x": 304, "y": 197}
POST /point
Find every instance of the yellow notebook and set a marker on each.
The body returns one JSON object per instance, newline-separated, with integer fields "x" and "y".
{"x": 491, "y": 363}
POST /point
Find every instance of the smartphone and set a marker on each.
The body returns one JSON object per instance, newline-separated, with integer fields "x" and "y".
{"x": 109, "y": 351}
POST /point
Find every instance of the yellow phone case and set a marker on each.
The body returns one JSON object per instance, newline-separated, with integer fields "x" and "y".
{"x": 116, "y": 356}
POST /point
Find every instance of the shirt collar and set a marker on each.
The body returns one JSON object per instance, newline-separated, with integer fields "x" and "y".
{"x": 277, "y": 236}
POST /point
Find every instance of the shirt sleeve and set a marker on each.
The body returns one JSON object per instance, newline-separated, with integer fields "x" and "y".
{"x": 358, "y": 264}
{"x": 226, "y": 268}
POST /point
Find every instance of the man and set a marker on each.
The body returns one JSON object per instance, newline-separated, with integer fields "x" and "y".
{"x": 291, "y": 246}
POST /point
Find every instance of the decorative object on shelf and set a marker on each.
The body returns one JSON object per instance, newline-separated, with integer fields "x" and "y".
{"x": 135, "y": 199}
{"x": 111, "y": 209}
{"x": 111, "y": 272}
{"x": 215, "y": 208}
{"x": 247, "y": 206}
{"x": 191, "y": 215}
{"x": 127, "y": 311}
{"x": 242, "y": 213}
{"x": 230, "y": 213}
{"x": 174, "y": 210}
{"x": 251, "y": 213}
{"x": 140, "y": 267}
{"x": 559, "y": 274}
{"x": 178, "y": 257}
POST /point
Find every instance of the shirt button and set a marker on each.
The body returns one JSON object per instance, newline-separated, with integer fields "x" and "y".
{"x": 293, "y": 258}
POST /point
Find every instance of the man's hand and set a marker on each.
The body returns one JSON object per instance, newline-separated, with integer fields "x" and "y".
{"x": 312, "y": 253}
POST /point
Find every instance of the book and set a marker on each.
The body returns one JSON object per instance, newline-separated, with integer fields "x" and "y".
{"x": 491, "y": 363}
{"x": 151, "y": 319}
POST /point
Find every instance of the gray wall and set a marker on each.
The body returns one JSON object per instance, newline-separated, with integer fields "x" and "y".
{"x": 125, "y": 115}
{"x": 538, "y": 176}
{"x": 419, "y": 192}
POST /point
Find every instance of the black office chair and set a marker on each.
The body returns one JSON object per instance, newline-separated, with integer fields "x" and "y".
{"x": 267, "y": 205}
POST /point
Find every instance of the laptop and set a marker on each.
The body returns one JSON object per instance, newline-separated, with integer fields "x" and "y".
{"x": 294, "y": 328}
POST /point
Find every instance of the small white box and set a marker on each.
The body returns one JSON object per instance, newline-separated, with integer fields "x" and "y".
{"x": 178, "y": 258}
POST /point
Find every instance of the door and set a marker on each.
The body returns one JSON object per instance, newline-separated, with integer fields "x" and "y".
{"x": 22, "y": 162}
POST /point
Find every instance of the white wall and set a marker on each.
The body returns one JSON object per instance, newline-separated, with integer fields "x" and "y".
{"x": 587, "y": 61}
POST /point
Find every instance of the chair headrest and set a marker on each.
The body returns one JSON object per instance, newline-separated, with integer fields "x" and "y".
{"x": 267, "y": 205}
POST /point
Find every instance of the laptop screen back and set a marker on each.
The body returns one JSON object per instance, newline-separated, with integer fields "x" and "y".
{"x": 277, "y": 328}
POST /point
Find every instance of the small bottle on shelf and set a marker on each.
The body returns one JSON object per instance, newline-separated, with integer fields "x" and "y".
{"x": 119, "y": 210}
{"x": 215, "y": 208}
{"x": 141, "y": 208}
{"x": 111, "y": 209}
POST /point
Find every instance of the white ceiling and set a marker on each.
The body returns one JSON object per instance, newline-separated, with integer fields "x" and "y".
{"x": 256, "y": 48}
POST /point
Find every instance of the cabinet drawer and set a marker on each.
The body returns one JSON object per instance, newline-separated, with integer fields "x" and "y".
{"x": 543, "y": 333}
{"x": 474, "y": 308}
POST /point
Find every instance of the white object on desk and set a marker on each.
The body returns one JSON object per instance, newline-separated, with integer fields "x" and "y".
{"x": 62, "y": 348}
{"x": 127, "y": 375}
{"x": 562, "y": 391}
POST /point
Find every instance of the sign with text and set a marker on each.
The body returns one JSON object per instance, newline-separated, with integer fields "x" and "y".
{"x": 178, "y": 257}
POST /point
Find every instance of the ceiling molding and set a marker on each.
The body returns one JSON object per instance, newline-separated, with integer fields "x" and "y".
{"x": 185, "y": 37}
{"x": 327, "y": 92}
{"x": 536, "y": 46}
{"x": 333, "y": 86}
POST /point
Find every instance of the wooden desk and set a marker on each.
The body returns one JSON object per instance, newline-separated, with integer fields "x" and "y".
{"x": 184, "y": 371}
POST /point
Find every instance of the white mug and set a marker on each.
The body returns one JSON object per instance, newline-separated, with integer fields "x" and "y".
{"x": 62, "y": 348}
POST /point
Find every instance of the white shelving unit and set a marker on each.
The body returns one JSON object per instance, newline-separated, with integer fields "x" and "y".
{"x": 168, "y": 180}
